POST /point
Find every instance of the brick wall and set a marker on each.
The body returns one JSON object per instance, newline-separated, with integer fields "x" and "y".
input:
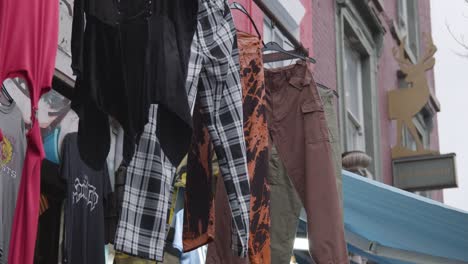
{"x": 324, "y": 42}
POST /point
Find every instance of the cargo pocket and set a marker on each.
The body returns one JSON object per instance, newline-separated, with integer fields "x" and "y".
{"x": 315, "y": 124}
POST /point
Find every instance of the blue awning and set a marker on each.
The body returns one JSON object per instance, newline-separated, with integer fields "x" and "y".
{"x": 389, "y": 225}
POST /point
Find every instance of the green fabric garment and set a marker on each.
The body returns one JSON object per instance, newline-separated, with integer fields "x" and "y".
{"x": 327, "y": 97}
{"x": 285, "y": 207}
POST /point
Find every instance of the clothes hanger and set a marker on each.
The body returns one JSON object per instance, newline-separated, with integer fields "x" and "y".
{"x": 240, "y": 7}
{"x": 270, "y": 46}
{"x": 7, "y": 95}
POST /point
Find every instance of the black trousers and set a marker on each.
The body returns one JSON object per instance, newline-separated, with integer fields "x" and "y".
{"x": 127, "y": 60}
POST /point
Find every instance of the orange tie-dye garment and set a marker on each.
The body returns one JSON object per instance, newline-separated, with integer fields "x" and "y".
{"x": 201, "y": 219}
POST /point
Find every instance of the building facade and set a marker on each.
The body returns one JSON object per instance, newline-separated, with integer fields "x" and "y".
{"x": 353, "y": 42}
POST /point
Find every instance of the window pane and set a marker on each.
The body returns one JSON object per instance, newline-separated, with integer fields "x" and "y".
{"x": 267, "y": 31}
{"x": 409, "y": 141}
{"x": 353, "y": 82}
{"x": 403, "y": 15}
{"x": 355, "y": 137}
{"x": 412, "y": 27}
{"x": 351, "y": 144}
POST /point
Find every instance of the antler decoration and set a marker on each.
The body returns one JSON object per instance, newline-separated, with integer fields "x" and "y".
{"x": 399, "y": 54}
{"x": 430, "y": 48}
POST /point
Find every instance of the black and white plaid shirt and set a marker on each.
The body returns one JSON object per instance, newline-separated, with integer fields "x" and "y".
{"x": 213, "y": 76}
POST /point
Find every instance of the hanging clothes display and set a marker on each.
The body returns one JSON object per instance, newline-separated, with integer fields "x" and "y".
{"x": 87, "y": 192}
{"x": 156, "y": 165}
{"x": 214, "y": 79}
{"x": 25, "y": 53}
{"x": 157, "y": 81}
{"x": 299, "y": 130}
{"x": 12, "y": 151}
{"x": 129, "y": 55}
{"x": 256, "y": 136}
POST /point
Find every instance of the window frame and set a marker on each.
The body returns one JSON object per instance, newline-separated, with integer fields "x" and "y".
{"x": 366, "y": 36}
{"x": 355, "y": 122}
{"x": 424, "y": 128}
{"x": 408, "y": 10}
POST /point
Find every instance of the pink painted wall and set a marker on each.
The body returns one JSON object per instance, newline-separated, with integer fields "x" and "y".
{"x": 242, "y": 22}
{"x": 306, "y": 33}
{"x": 387, "y": 80}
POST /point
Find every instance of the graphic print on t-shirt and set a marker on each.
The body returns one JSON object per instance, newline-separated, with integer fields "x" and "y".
{"x": 86, "y": 192}
{"x": 6, "y": 156}
{"x": 7, "y": 151}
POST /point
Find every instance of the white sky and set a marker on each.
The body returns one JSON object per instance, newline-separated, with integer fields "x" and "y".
{"x": 451, "y": 76}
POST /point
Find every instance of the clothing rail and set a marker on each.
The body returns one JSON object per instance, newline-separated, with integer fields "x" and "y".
{"x": 296, "y": 43}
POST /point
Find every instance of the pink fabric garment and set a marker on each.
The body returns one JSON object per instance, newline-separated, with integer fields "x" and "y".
{"x": 28, "y": 47}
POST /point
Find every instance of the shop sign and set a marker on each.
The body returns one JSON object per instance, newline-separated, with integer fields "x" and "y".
{"x": 405, "y": 103}
{"x": 432, "y": 172}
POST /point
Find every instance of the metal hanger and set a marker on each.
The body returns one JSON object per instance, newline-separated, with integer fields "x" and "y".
{"x": 273, "y": 46}
{"x": 240, "y": 7}
{"x": 7, "y": 95}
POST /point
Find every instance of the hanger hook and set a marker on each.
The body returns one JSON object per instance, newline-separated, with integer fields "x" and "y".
{"x": 240, "y": 7}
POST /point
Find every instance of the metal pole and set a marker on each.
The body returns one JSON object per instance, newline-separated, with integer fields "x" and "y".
{"x": 296, "y": 43}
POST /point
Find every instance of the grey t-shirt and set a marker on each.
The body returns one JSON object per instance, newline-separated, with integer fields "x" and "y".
{"x": 12, "y": 151}
{"x": 87, "y": 191}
